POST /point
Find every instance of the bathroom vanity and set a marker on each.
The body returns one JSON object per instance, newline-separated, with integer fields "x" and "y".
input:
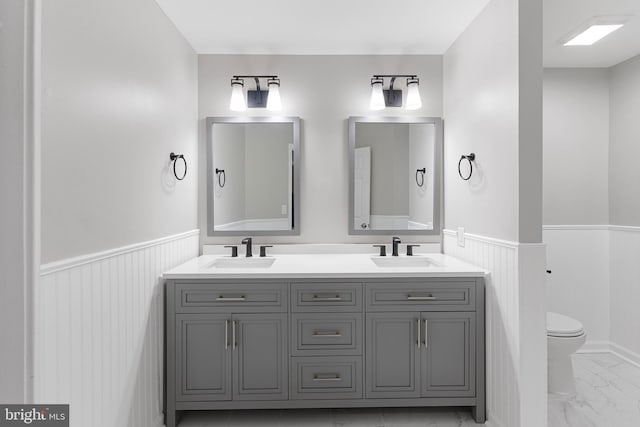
{"x": 324, "y": 331}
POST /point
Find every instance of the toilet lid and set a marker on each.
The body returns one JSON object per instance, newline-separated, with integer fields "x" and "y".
{"x": 559, "y": 325}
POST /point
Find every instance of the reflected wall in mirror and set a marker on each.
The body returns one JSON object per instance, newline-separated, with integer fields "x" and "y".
{"x": 395, "y": 175}
{"x": 252, "y": 175}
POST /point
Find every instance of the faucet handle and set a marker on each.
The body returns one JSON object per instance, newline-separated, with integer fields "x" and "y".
{"x": 263, "y": 250}
{"x": 410, "y": 249}
{"x": 395, "y": 239}
{"x": 234, "y": 250}
{"x": 383, "y": 249}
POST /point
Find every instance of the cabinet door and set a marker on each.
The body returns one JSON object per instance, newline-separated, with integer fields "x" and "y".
{"x": 260, "y": 362}
{"x": 448, "y": 354}
{"x": 203, "y": 357}
{"x": 392, "y": 355}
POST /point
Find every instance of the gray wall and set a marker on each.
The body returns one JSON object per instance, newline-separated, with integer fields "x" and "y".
{"x": 624, "y": 179}
{"x": 576, "y": 146}
{"x": 267, "y": 170}
{"x": 119, "y": 94}
{"x": 422, "y": 139}
{"x": 228, "y": 153}
{"x": 16, "y": 193}
{"x": 389, "y": 144}
{"x": 324, "y": 91}
{"x": 492, "y": 108}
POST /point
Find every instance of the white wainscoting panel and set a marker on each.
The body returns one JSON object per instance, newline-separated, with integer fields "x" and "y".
{"x": 502, "y": 322}
{"x": 504, "y": 362}
{"x": 578, "y": 285}
{"x": 625, "y": 291}
{"x": 99, "y": 333}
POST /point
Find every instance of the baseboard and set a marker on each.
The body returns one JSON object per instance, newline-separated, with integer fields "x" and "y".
{"x": 613, "y": 348}
{"x": 626, "y": 354}
{"x": 159, "y": 422}
{"x": 493, "y": 422}
{"x": 596, "y": 347}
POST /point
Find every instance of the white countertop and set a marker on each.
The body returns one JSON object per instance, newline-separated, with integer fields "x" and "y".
{"x": 323, "y": 266}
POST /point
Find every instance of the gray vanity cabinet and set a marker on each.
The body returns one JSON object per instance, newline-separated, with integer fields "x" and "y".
{"x": 203, "y": 357}
{"x": 420, "y": 355}
{"x": 393, "y": 356}
{"x": 447, "y": 359}
{"x": 324, "y": 343}
{"x": 239, "y": 356}
{"x": 260, "y": 358}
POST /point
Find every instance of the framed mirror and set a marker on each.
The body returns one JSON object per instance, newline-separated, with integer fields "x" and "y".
{"x": 253, "y": 176}
{"x": 395, "y": 175}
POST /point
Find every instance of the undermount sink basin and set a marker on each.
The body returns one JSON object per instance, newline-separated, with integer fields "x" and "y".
{"x": 403, "y": 261}
{"x": 243, "y": 262}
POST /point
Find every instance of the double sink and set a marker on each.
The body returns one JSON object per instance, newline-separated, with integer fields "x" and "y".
{"x": 381, "y": 261}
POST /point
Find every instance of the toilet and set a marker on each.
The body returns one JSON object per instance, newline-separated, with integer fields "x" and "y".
{"x": 565, "y": 336}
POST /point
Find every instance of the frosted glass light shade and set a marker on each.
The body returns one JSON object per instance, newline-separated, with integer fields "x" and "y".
{"x": 377, "y": 97}
{"x": 273, "y": 99}
{"x": 413, "y": 96}
{"x": 238, "y": 103}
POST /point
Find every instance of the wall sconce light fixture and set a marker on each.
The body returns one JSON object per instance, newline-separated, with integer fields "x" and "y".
{"x": 269, "y": 99}
{"x": 381, "y": 98}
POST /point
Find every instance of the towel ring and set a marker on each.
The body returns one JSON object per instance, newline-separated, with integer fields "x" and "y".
{"x": 222, "y": 177}
{"x": 420, "y": 173}
{"x": 469, "y": 158}
{"x": 174, "y": 158}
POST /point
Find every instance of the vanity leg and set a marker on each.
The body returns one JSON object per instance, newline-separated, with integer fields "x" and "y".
{"x": 478, "y": 413}
{"x": 172, "y": 418}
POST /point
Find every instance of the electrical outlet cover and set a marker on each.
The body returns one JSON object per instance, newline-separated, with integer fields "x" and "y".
{"x": 461, "y": 237}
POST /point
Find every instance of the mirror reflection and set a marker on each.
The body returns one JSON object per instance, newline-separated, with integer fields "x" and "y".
{"x": 395, "y": 175}
{"x": 251, "y": 175}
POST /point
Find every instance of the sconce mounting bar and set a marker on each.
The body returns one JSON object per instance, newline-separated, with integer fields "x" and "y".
{"x": 257, "y": 98}
{"x": 393, "y": 97}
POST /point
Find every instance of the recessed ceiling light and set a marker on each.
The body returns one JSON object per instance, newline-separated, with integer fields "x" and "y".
{"x": 592, "y": 35}
{"x": 593, "y": 30}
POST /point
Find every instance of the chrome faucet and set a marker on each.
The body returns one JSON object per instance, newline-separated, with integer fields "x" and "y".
{"x": 247, "y": 241}
{"x": 395, "y": 242}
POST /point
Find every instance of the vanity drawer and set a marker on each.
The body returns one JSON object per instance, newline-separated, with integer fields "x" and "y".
{"x": 329, "y": 377}
{"x": 230, "y": 297}
{"x": 326, "y": 296}
{"x": 326, "y": 334}
{"x": 440, "y": 295}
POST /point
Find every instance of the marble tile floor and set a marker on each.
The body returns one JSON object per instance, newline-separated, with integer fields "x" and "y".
{"x": 608, "y": 394}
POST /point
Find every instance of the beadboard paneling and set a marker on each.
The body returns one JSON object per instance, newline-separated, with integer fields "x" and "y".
{"x": 502, "y": 322}
{"x": 98, "y": 333}
{"x": 510, "y": 376}
{"x": 624, "y": 279}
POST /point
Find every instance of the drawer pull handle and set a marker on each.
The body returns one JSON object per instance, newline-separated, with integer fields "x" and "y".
{"x": 321, "y": 377}
{"x": 223, "y": 298}
{"x": 327, "y": 334}
{"x": 419, "y": 334}
{"x": 420, "y": 298}
{"x": 319, "y": 298}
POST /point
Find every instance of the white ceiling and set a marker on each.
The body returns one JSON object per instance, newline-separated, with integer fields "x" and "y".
{"x": 563, "y": 16}
{"x": 316, "y": 27}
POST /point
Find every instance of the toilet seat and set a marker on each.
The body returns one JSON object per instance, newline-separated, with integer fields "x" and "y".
{"x": 562, "y": 326}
